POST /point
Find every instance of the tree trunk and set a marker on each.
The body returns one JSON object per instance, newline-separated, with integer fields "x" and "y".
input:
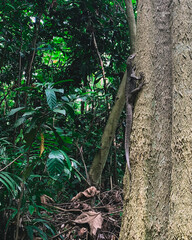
{"x": 158, "y": 205}
{"x": 101, "y": 156}
{"x": 180, "y": 215}
{"x": 131, "y": 24}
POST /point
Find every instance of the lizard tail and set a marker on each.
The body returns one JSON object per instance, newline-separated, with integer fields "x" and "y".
{"x": 127, "y": 134}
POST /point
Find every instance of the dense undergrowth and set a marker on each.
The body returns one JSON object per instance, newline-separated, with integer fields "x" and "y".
{"x": 61, "y": 65}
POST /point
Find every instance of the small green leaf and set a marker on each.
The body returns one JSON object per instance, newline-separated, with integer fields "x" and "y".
{"x": 68, "y": 80}
{"x": 15, "y": 110}
{"x": 60, "y": 111}
{"x": 66, "y": 99}
{"x": 19, "y": 122}
{"x": 28, "y": 113}
{"x": 77, "y": 175}
{"x": 31, "y": 209}
{"x": 58, "y": 90}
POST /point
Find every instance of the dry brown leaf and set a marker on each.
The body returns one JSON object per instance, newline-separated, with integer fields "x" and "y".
{"x": 109, "y": 208}
{"x": 45, "y": 199}
{"x": 94, "y": 219}
{"x": 42, "y": 148}
{"x": 88, "y": 193}
{"x": 82, "y": 231}
{"x": 118, "y": 197}
{"x": 85, "y": 206}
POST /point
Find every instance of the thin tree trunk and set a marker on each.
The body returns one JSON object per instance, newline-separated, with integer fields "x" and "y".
{"x": 131, "y": 24}
{"x": 109, "y": 132}
{"x": 108, "y": 135}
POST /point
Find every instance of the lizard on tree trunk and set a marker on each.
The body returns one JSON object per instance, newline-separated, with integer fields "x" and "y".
{"x": 131, "y": 90}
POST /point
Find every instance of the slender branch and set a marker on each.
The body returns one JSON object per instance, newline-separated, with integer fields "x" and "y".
{"x": 34, "y": 42}
{"x": 82, "y": 158}
{"x": 18, "y": 210}
{"x": 11, "y": 162}
{"x": 82, "y": 176}
{"x": 99, "y": 55}
{"x": 4, "y": 97}
{"x": 101, "y": 62}
{"x": 34, "y": 49}
{"x": 61, "y": 233}
{"x": 122, "y": 10}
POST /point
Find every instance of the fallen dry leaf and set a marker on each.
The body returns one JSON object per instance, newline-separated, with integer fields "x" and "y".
{"x": 94, "y": 219}
{"x": 82, "y": 231}
{"x": 88, "y": 193}
{"x": 86, "y": 206}
{"x": 45, "y": 199}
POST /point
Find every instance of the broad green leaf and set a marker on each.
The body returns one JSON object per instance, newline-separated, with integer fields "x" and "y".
{"x": 60, "y": 111}
{"x": 15, "y": 110}
{"x": 56, "y": 154}
{"x": 51, "y": 98}
{"x": 55, "y": 163}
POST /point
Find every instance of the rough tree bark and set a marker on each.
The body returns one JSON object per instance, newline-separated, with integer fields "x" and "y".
{"x": 159, "y": 205}
{"x": 131, "y": 24}
{"x": 101, "y": 156}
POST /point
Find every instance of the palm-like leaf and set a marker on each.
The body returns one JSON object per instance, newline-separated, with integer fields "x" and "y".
{"x": 51, "y": 97}
{"x": 7, "y": 180}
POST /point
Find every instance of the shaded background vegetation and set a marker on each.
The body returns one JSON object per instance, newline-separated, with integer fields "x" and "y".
{"x": 56, "y": 97}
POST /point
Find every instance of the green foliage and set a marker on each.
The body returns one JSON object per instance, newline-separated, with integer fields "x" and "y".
{"x": 55, "y": 101}
{"x": 56, "y": 164}
{"x": 7, "y": 179}
{"x": 51, "y": 98}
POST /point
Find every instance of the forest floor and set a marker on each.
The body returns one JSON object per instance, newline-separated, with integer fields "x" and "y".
{"x": 89, "y": 215}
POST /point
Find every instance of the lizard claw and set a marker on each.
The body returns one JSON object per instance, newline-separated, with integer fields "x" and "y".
{"x": 142, "y": 75}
